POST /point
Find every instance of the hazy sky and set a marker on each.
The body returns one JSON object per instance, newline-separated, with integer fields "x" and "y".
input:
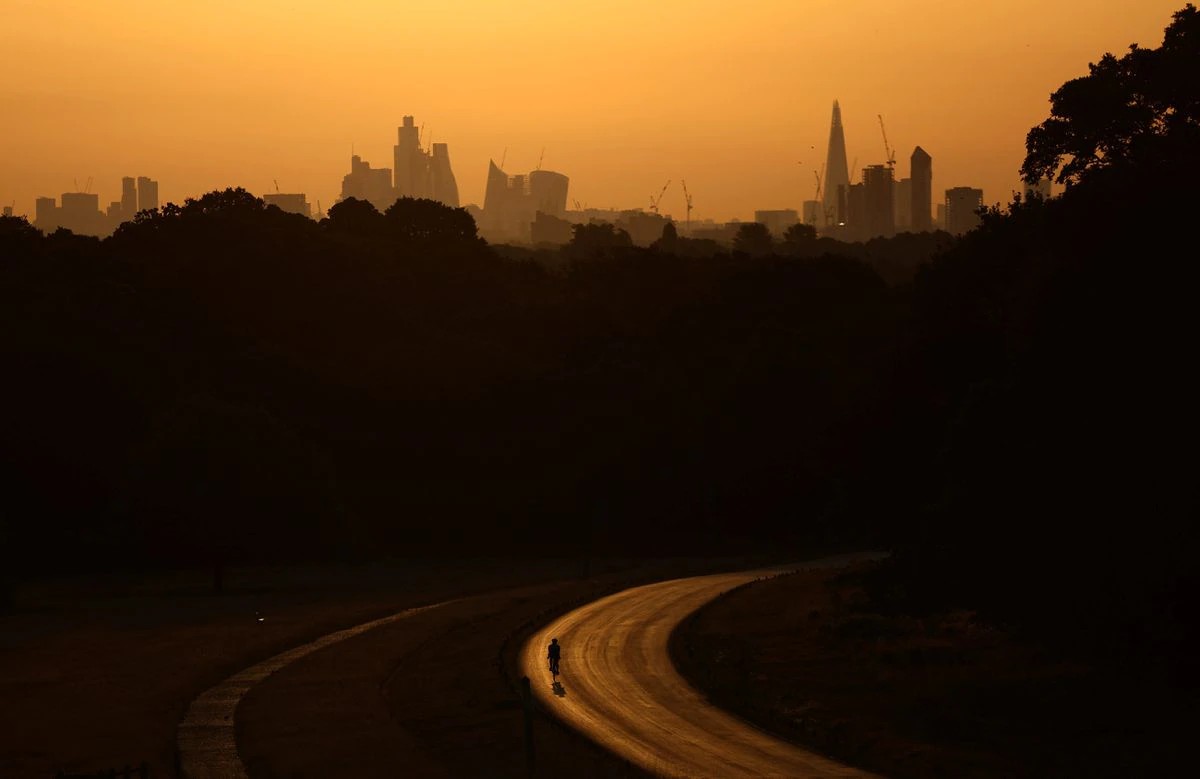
{"x": 623, "y": 95}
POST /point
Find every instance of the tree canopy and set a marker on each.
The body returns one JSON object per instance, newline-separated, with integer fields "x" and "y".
{"x": 1141, "y": 109}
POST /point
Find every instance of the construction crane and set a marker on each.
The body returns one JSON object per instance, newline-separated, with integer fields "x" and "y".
{"x": 687, "y": 199}
{"x": 541, "y": 157}
{"x": 276, "y": 185}
{"x": 654, "y": 200}
{"x": 891, "y": 153}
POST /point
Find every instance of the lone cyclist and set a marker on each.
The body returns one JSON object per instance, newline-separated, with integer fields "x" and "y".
{"x": 553, "y": 653}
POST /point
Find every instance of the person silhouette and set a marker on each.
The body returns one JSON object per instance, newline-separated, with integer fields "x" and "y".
{"x": 553, "y": 655}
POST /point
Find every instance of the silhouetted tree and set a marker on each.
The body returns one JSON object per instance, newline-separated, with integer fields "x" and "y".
{"x": 753, "y": 238}
{"x": 353, "y": 216}
{"x": 593, "y": 241}
{"x": 669, "y": 241}
{"x": 799, "y": 237}
{"x": 17, "y": 237}
{"x": 1142, "y": 108}
{"x": 430, "y": 222}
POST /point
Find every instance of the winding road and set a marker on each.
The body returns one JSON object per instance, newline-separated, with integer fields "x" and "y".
{"x": 618, "y": 686}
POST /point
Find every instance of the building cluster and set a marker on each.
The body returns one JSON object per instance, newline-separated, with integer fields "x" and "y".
{"x": 292, "y": 203}
{"x": 518, "y": 208}
{"x": 513, "y": 204}
{"x": 80, "y": 212}
{"x": 531, "y": 208}
{"x": 416, "y": 172}
{"x": 879, "y": 204}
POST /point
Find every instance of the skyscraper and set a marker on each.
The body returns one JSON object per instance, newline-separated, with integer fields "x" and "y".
{"x": 878, "y": 182}
{"x": 837, "y": 172}
{"x": 147, "y": 194}
{"x": 442, "y": 182}
{"x": 511, "y": 203}
{"x": 411, "y": 163}
{"x": 902, "y": 205}
{"x": 129, "y": 198}
{"x": 45, "y": 214}
{"x": 371, "y": 184}
{"x": 420, "y": 173}
{"x": 920, "y": 166}
{"x": 962, "y": 209}
{"x": 292, "y": 203}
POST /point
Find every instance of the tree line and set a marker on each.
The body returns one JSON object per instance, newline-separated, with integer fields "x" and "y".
{"x": 1012, "y": 412}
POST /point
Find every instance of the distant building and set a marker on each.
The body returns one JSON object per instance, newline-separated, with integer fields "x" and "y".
{"x": 7, "y": 211}
{"x": 371, "y": 184}
{"x": 411, "y": 165}
{"x": 147, "y": 195}
{"x": 644, "y": 227}
{"x": 129, "y": 199}
{"x": 813, "y": 213}
{"x": 80, "y": 213}
{"x": 548, "y": 230}
{"x": 511, "y": 203}
{"x": 853, "y": 223}
{"x": 777, "y": 222}
{"x": 45, "y": 211}
{"x": 837, "y": 173}
{"x": 419, "y": 173}
{"x": 939, "y": 222}
{"x": 921, "y": 172}
{"x": 722, "y": 234}
{"x": 585, "y": 216}
{"x": 1044, "y": 189}
{"x": 548, "y": 190}
{"x": 444, "y": 186}
{"x": 902, "y": 205}
{"x": 878, "y": 182}
{"x": 962, "y": 209}
{"x": 291, "y": 203}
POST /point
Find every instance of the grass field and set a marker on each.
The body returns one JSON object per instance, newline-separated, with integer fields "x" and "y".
{"x": 804, "y": 656}
{"x": 96, "y": 672}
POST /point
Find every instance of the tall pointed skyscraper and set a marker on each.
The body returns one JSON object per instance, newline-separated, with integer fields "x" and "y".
{"x": 837, "y": 173}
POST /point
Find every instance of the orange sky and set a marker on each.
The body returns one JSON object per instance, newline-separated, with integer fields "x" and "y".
{"x": 623, "y": 95}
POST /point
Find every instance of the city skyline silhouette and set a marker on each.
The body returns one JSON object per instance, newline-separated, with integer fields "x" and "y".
{"x": 632, "y": 99}
{"x": 805, "y": 459}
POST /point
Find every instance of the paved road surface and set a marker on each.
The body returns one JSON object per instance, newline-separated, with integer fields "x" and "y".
{"x": 206, "y": 738}
{"x": 619, "y": 687}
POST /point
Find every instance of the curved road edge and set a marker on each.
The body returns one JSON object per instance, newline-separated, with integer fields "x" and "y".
{"x": 206, "y": 738}
{"x": 619, "y": 687}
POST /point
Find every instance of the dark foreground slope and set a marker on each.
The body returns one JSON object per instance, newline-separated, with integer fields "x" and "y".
{"x": 809, "y": 657}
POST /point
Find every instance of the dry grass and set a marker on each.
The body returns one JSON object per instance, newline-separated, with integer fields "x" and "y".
{"x": 97, "y": 672}
{"x": 803, "y": 656}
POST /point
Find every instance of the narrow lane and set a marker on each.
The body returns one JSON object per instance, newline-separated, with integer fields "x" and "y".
{"x": 619, "y": 687}
{"x": 206, "y": 738}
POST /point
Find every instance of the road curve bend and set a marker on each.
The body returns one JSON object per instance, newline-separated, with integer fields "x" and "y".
{"x": 618, "y": 686}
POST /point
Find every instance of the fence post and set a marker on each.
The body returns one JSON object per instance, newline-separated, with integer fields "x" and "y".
{"x": 527, "y": 700}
